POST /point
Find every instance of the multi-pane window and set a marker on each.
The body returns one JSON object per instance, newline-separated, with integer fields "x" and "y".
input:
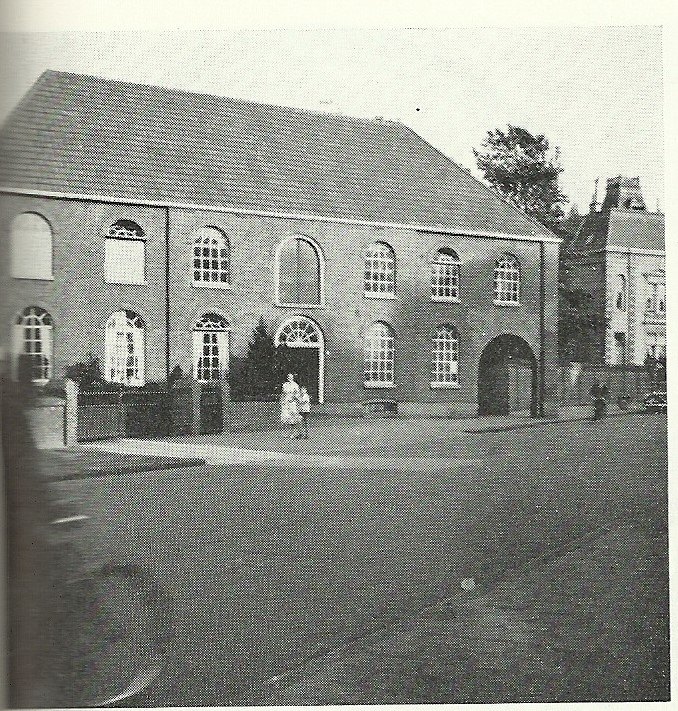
{"x": 211, "y": 257}
{"x": 445, "y": 357}
{"x": 507, "y": 280}
{"x": 379, "y": 356}
{"x": 125, "y": 253}
{"x": 656, "y": 302}
{"x": 656, "y": 345}
{"x": 33, "y": 344}
{"x": 125, "y": 348}
{"x": 299, "y": 272}
{"x": 621, "y": 292}
{"x": 380, "y": 270}
{"x": 31, "y": 247}
{"x": 210, "y": 348}
{"x": 445, "y": 276}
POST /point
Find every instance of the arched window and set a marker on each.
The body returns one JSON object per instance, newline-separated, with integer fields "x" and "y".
{"x": 380, "y": 273}
{"x": 125, "y": 253}
{"x": 211, "y": 257}
{"x": 210, "y": 348}
{"x": 507, "y": 280}
{"x": 445, "y": 357}
{"x": 445, "y": 276}
{"x": 621, "y": 292}
{"x": 31, "y": 247}
{"x": 125, "y": 348}
{"x": 299, "y": 273}
{"x": 379, "y": 356}
{"x": 33, "y": 344}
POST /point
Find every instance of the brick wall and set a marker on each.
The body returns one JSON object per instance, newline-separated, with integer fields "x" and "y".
{"x": 80, "y": 301}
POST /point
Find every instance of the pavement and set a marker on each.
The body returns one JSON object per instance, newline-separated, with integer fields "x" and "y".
{"x": 361, "y": 443}
{"x": 267, "y": 566}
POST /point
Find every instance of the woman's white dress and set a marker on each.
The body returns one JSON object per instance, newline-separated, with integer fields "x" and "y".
{"x": 289, "y": 404}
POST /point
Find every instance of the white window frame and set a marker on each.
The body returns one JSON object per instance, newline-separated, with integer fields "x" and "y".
{"x": 119, "y": 235}
{"x": 215, "y": 239}
{"x": 321, "y": 273}
{"x": 125, "y": 328}
{"x": 379, "y": 269}
{"x": 31, "y": 250}
{"x": 38, "y": 320}
{"x": 445, "y": 267}
{"x": 507, "y": 271}
{"x": 445, "y": 341}
{"x": 379, "y": 350}
{"x": 211, "y": 331}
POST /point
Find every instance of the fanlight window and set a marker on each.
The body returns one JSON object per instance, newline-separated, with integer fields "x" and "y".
{"x": 445, "y": 276}
{"x": 299, "y": 268}
{"x": 125, "y": 253}
{"x": 125, "y": 349}
{"x": 380, "y": 270}
{"x": 31, "y": 247}
{"x": 379, "y": 356}
{"x": 299, "y": 333}
{"x": 33, "y": 344}
{"x": 211, "y": 257}
{"x": 445, "y": 357}
{"x": 210, "y": 348}
{"x": 507, "y": 280}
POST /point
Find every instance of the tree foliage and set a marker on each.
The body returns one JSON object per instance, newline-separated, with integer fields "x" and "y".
{"x": 259, "y": 374}
{"x": 519, "y": 166}
{"x": 581, "y": 327}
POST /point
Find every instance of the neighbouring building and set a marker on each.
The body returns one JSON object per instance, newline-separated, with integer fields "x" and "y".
{"x": 618, "y": 256}
{"x": 154, "y": 228}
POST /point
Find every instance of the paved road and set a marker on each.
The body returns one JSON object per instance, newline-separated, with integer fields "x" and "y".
{"x": 267, "y": 565}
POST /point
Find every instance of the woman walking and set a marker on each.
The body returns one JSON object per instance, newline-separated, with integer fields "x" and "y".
{"x": 289, "y": 405}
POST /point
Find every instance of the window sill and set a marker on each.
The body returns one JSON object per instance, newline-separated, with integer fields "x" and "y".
{"x": 34, "y": 278}
{"x": 446, "y": 300}
{"x": 211, "y": 285}
{"x": 374, "y": 386}
{"x": 278, "y": 304}
{"x": 514, "y": 304}
{"x": 445, "y": 386}
{"x": 372, "y": 295}
{"x": 128, "y": 283}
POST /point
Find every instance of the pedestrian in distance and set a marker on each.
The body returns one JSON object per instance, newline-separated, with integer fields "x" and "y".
{"x": 289, "y": 405}
{"x": 304, "y": 411}
{"x": 598, "y": 392}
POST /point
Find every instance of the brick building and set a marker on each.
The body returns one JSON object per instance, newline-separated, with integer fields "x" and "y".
{"x": 618, "y": 256}
{"x": 155, "y": 227}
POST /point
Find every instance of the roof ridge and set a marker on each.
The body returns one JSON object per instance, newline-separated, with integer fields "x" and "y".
{"x": 378, "y": 121}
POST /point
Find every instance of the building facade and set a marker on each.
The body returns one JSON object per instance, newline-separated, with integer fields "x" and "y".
{"x": 618, "y": 256}
{"x": 153, "y": 241}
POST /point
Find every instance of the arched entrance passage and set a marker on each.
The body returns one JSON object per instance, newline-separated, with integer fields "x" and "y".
{"x": 507, "y": 377}
{"x": 307, "y": 352}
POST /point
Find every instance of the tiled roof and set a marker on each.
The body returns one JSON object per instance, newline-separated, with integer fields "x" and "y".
{"x": 618, "y": 227}
{"x": 90, "y": 136}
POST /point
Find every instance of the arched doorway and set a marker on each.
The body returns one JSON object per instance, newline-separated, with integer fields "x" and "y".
{"x": 507, "y": 377}
{"x": 307, "y": 352}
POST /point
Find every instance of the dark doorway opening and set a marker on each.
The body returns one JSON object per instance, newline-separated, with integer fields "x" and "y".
{"x": 507, "y": 377}
{"x": 305, "y": 364}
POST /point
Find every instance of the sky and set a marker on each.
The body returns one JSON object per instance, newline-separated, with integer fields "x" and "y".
{"x": 595, "y": 92}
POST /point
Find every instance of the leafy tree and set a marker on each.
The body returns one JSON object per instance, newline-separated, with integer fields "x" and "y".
{"x": 88, "y": 374}
{"x": 259, "y": 374}
{"x": 518, "y": 165}
{"x": 581, "y": 327}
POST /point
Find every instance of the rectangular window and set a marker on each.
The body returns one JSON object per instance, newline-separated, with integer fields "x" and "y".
{"x": 125, "y": 261}
{"x": 445, "y": 282}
